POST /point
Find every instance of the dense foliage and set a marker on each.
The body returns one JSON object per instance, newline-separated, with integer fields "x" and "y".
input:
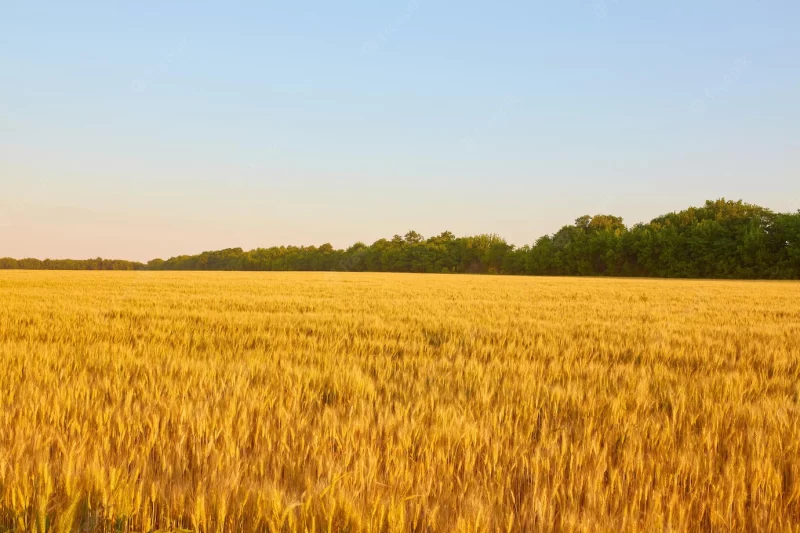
{"x": 722, "y": 239}
{"x": 69, "y": 264}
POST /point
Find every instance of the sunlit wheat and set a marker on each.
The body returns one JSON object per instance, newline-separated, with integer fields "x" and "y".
{"x": 388, "y": 403}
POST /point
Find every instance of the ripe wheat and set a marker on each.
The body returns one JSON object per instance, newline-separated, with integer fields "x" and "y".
{"x": 385, "y": 403}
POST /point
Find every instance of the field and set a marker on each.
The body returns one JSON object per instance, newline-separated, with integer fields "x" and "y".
{"x": 378, "y": 402}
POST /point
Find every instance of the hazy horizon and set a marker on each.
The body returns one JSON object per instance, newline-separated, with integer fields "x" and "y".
{"x": 145, "y": 131}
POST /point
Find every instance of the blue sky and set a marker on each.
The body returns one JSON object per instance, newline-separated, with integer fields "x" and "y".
{"x": 151, "y": 129}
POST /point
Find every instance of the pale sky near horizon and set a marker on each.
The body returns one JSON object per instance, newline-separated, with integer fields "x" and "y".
{"x": 151, "y": 129}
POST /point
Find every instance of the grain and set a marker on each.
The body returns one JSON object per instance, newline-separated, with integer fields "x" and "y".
{"x": 393, "y": 402}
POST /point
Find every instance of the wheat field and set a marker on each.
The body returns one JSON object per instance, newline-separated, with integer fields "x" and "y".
{"x": 315, "y": 402}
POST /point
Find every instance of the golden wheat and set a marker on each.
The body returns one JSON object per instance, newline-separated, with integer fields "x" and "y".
{"x": 382, "y": 403}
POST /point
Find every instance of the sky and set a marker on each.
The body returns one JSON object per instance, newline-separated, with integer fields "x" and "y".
{"x": 150, "y": 129}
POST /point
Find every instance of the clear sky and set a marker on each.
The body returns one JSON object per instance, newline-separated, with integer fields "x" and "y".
{"x": 150, "y": 129}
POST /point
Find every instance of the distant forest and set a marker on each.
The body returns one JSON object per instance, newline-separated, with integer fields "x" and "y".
{"x": 722, "y": 239}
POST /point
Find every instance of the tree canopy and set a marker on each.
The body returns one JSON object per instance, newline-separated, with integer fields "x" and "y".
{"x": 722, "y": 239}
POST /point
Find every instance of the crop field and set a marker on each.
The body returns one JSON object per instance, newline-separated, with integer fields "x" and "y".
{"x": 315, "y": 402}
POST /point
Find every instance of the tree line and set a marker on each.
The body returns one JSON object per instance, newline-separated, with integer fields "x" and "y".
{"x": 70, "y": 264}
{"x": 722, "y": 239}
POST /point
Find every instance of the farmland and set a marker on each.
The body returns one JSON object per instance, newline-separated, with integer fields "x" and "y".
{"x": 210, "y": 401}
